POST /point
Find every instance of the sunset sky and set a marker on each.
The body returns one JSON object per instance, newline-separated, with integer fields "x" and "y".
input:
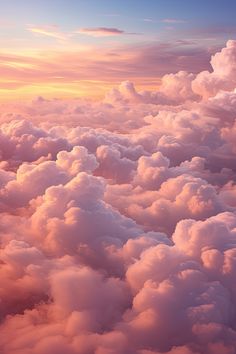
{"x": 74, "y": 48}
{"x": 117, "y": 177}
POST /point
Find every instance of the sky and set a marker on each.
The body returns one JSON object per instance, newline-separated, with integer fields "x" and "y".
{"x": 79, "y": 48}
{"x": 117, "y": 177}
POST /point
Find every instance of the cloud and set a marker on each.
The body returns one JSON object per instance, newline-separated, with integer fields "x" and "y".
{"x": 173, "y": 21}
{"x": 118, "y": 219}
{"x": 101, "y": 31}
{"x": 49, "y": 31}
{"x": 223, "y": 74}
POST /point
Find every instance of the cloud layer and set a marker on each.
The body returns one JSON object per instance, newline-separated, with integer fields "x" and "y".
{"x": 118, "y": 219}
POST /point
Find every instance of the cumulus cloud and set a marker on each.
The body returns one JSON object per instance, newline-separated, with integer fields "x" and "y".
{"x": 118, "y": 219}
{"x": 223, "y": 75}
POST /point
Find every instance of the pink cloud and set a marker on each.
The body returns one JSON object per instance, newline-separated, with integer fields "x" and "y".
{"x": 223, "y": 75}
{"x": 100, "y": 31}
{"x": 118, "y": 218}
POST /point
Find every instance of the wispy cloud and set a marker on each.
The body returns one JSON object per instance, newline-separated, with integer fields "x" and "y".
{"x": 100, "y": 31}
{"x": 54, "y": 31}
{"x": 148, "y": 20}
{"x": 165, "y": 20}
{"x": 49, "y": 31}
{"x": 173, "y": 20}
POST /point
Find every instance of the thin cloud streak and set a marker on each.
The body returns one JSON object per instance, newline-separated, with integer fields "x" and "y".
{"x": 173, "y": 20}
{"x": 101, "y": 31}
{"x": 55, "y": 32}
{"x": 49, "y": 31}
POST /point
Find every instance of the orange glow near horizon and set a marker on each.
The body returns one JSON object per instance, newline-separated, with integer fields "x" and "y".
{"x": 65, "y": 74}
{"x": 87, "y": 88}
